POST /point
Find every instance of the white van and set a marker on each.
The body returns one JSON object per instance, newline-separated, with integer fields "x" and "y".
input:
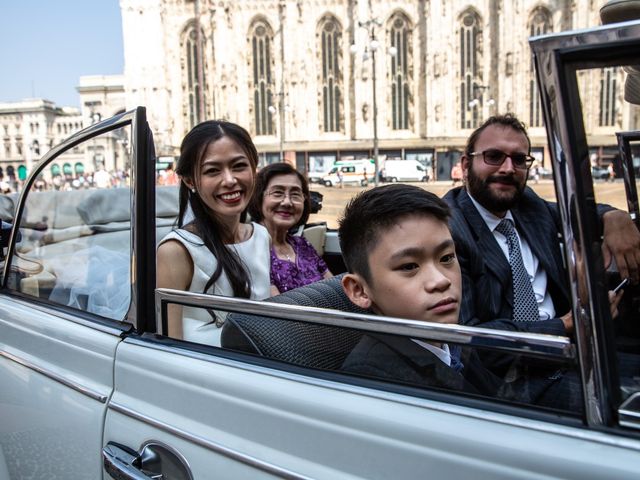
{"x": 357, "y": 172}
{"x": 404, "y": 171}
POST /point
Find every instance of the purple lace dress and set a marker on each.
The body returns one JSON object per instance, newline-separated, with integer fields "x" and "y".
{"x": 307, "y": 268}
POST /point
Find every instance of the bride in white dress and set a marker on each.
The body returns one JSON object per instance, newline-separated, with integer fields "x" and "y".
{"x": 214, "y": 252}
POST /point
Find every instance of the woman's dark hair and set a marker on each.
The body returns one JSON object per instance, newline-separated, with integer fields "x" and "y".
{"x": 262, "y": 181}
{"x": 206, "y": 225}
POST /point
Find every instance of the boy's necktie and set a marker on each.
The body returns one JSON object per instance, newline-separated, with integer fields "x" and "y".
{"x": 525, "y": 306}
{"x": 455, "y": 352}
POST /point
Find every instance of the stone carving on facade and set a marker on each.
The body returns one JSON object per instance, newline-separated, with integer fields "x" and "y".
{"x": 299, "y": 7}
{"x": 365, "y": 112}
{"x": 440, "y": 19}
{"x": 508, "y": 64}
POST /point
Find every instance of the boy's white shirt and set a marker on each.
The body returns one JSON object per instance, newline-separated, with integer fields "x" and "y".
{"x": 443, "y": 354}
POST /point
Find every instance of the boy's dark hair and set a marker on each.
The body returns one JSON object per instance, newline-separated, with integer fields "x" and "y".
{"x": 506, "y": 120}
{"x": 371, "y": 212}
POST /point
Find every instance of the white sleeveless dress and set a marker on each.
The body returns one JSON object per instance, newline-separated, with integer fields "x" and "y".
{"x": 197, "y": 324}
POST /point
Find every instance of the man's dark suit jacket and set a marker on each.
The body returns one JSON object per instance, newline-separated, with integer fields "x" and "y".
{"x": 402, "y": 360}
{"x": 487, "y": 294}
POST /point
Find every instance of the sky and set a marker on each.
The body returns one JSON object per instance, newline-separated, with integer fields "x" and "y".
{"x": 46, "y": 45}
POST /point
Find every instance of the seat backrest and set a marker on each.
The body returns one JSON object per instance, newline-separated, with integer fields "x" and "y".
{"x": 305, "y": 344}
{"x": 316, "y": 235}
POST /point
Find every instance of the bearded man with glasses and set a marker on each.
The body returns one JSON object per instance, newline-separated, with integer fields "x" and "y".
{"x": 507, "y": 237}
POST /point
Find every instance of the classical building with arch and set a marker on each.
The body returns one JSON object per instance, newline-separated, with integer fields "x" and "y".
{"x": 300, "y": 76}
{"x": 31, "y": 127}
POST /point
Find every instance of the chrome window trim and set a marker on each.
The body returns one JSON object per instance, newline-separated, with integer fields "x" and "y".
{"x": 121, "y": 120}
{"x": 629, "y": 413}
{"x": 88, "y": 392}
{"x": 208, "y": 444}
{"x": 546, "y": 346}
{"x": 626, "y": 160}
{"x": 142, "y": 194}
{"x": 558, "y": 58}
{"x": 434, "y": 405}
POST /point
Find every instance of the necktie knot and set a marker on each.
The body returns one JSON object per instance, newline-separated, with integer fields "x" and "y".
{"x": 505, "y": 227}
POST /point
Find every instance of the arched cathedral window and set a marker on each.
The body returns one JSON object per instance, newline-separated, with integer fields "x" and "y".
{"x": 193, "y": 72}
{"x": 539, "y": 24}
{"x": 400, "y": 72}
{"x": 608, "y": 83}
{"x": 262, "y": 80}
{"x": 330, "y": 35}
{"x": 470, "y": 74}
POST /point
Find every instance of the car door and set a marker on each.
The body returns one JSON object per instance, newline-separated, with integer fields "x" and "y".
{"x": 67, "y": 299}
{"x": 193, "y": 411}
{"x": 219, "y": 413}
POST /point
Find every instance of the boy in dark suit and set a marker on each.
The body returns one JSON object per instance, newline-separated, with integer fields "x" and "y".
{"x": 401, "y": 262}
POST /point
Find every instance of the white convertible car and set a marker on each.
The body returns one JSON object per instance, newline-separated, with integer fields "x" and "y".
{"x": 91, "y": 387}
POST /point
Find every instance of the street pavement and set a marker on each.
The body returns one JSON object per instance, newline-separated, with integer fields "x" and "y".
{"x": 335, "y": 198}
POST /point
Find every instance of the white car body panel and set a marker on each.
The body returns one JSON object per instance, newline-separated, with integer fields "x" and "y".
{"x": 42, "y": 419}
{"x": 310, "y": 428}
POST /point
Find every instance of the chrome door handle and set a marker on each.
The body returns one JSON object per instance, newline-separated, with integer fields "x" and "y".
{"x": 123, "y": 463}
{"x": 155, "y": 461}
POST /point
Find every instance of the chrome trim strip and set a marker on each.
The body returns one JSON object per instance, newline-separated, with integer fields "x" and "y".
{"x": 56, "y": 377}
{"x": 68, "y": 316}
{"x": 629, "y": 412}
{"x": 531, "y": 343}
{"x": 208, "y": 444}
{"x": 503, "y": 419}
{"x": 580, "y": 37}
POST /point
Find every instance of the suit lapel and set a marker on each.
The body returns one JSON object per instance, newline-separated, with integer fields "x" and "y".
{"x": 425, "y": 364}
{"x": 494, "y": 258}
{"x": 541, "y": 233}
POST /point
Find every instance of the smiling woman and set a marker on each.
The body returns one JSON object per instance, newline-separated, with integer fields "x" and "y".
{"x": 214, "y": 252}
{"x": 281, "y": 203}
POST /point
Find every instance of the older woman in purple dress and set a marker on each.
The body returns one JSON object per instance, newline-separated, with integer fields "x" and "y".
{"x": 281, "y": 203}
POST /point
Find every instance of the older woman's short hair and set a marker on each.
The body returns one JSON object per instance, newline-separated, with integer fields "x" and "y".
{"x": 262, "y": 180}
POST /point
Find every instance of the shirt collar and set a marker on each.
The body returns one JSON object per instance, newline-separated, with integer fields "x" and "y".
{"x": 443, "y": 354}
{"x": 489, "y": 218}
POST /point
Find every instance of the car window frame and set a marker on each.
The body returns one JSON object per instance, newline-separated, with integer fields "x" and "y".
{"x": 530, "y": 344}
{"x": 558, "y": 58}
{"x": 142, "y": 245}
{"x": 628, "y": 172}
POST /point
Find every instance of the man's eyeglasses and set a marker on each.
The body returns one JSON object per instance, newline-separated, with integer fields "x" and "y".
{"x": 496, "y": 158}
{"x": 279, "y": 195}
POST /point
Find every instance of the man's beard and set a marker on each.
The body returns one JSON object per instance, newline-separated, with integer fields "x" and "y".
{"x": 480, "y": 191}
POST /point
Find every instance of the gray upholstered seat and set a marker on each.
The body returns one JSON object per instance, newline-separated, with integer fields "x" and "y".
{"x": 305, "y": 344}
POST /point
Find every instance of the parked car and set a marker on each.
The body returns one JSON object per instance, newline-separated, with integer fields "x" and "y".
{"x": 404, "y": 171}
{"x": 600, "y": 173}
{"x": 93, "y": 387}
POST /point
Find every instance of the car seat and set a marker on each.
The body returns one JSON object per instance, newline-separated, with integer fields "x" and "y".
{"x": 301, "y": 343}
{"x": 316, "y": 235}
